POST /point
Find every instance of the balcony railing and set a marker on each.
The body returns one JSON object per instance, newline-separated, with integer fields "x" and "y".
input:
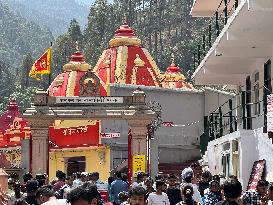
{"x": 237, "y": 113}
{"x": 212, "y": 29}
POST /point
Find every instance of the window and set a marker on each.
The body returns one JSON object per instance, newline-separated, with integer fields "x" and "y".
{"x": 256, "y": 94}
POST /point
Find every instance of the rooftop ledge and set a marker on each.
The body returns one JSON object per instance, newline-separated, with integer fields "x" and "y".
{"x": 207, "y": 8}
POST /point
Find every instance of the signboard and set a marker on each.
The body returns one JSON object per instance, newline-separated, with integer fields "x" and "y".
{"x": 89, "y": 100}
{"x": 167, "y": 124}
{"x": 270, "y": 113}
{"x": 74, "y": 136}
{"x": 139, "y": 164}
{"x": 256, "y": 174}
{"x": 110, "y": 135}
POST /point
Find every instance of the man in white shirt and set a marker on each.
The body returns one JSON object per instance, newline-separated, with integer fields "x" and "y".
{"x": 158, "y": 197}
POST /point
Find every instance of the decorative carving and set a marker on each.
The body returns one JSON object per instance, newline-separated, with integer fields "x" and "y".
{"x": 89, "y": 85}
{"x": 40, "y": 98}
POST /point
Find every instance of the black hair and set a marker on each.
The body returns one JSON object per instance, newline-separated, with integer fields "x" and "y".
{"x": 96, "y": 174}
{"x": 159, "y": 183}
{"x": 123, "y": 196}
{"x": 27, "y": 176}
{"x": 187, "y": 191}
{"x": 110, "y": 180}
{"x": 139, "y": 176}
{"x": 206, "y": 174}
{"x": 84, "y": 192}
{"x": 32, "y": 186}
{"x": 118, "y": 174}
{"x": 232, "y": 188}
{"x": 137, "y": 191}
{"x": 216, "y": 178}
{"x": 188, "y": 179}
{"x": 262, "y": 182}
{"x": 172, "y": 176}
{"x": 60, "y": 175}
{"x": 45, "y": 191}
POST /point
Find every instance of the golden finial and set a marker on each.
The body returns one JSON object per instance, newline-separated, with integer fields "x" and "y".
{"x": 138, "y": 61}
{"x": 77, "y": 46}
{"x": 172, "y": 58}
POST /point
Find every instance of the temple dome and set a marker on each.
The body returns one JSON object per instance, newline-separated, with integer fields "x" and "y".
{"x": 173, "y": 78}
{"x": 126, "y": 61}
{"x": 76, "y": 80}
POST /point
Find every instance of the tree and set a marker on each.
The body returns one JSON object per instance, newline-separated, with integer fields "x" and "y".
{"x": 23, "y": 70}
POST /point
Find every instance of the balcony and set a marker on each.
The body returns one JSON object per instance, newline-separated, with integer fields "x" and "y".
{"x": 238, "y": 113}
{"x": 236, "y": 41}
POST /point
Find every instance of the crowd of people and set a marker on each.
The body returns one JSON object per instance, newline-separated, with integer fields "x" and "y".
{"x": 166, "y": 189}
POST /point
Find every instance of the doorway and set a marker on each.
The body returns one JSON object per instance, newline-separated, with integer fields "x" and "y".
{"x": 75, "y": 164}
{"x": 267, "y": 90}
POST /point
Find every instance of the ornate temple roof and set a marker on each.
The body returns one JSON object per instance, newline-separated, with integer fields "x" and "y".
{"x": 126, "y": 61}
{"x": 173, "y": 78}
{"x": 13, "y": 128}
{"x": 77, "y": 80}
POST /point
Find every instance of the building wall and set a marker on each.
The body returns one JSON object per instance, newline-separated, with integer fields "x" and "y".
{"x": 97, "y": 160}
{"x": 184, "y": 108}
{"x": 253, "y": 145}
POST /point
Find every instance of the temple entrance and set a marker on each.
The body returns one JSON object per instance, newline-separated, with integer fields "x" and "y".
{"x": 75, "y": 164}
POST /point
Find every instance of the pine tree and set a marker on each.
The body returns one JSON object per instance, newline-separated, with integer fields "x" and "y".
{"x": 23, "y": 71}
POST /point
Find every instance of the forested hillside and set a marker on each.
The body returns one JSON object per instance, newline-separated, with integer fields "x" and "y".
{"x": 164, "y": 26}
{"x": 52, "y": 14}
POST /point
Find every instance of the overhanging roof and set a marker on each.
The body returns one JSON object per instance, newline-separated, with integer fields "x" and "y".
{"x": 243, "y": 45}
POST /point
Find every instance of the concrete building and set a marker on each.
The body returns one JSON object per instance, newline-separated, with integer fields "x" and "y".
{"x": 236, "y": 49}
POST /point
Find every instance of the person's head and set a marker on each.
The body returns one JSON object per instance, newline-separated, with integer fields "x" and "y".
{"x": 172, "y": 180}
{"x": 206, "y": 176}
{"x": 43, "y": 194}
{"x": 110, "y": 180}
{"x": 149, "y": 183}
{"x": 232, "y": 189}
{"x": 32, "y": 186}
{"x": 41, "y": 178}
{"x": 137, "y": 196}
{"x": 27, "y": 176}
{"x": 86, "y": 194}
{"x": 60, "y": 175}
{"x": 270, "y": 191}
{"x": 69, "y": 181}
{"x": 232, "y": 177}
{"x": 125, "y": 178}
{"x": 118, "y": 175}
{"x": 187, "y": 191}
{"x": 84, "y": 176}
{"x": 159, "y": 184}
{"x": 262, "y": 187}
{"x": 96, "y": 176}
{"x": 187, "y": 175}
{"x": 17, "y": 189}
{"x": 214, "y": 186}
{"x": 139, "y": 177}
{"x": 78, "y": 175}
{"x": 122, "y": 196}
{"x": 216, "y": 178}
{"x": 145, "y": 176}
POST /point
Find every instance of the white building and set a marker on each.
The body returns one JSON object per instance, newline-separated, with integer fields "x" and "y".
{"x": 236, "y": 49}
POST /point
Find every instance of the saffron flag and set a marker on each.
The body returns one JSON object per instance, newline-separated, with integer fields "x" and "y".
{"x": 41, "y": 66}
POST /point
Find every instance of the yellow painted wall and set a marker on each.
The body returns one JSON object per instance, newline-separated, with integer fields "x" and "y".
{"x": 92, "y": 156}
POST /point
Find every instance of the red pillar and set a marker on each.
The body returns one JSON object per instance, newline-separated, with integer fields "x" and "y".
{"x": 130, "y": 166}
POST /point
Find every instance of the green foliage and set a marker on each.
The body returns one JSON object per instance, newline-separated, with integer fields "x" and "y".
{"x": 21, "y": 95}
{"x": 19, "y": 37}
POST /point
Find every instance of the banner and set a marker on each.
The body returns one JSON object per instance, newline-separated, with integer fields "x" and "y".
{"x": 256, "y": 174}
{"x": 270, "y": 113}
{"x": 42, "y": 65}
{"x": 139, "y": 164}
{"x": 74, "y": 136}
